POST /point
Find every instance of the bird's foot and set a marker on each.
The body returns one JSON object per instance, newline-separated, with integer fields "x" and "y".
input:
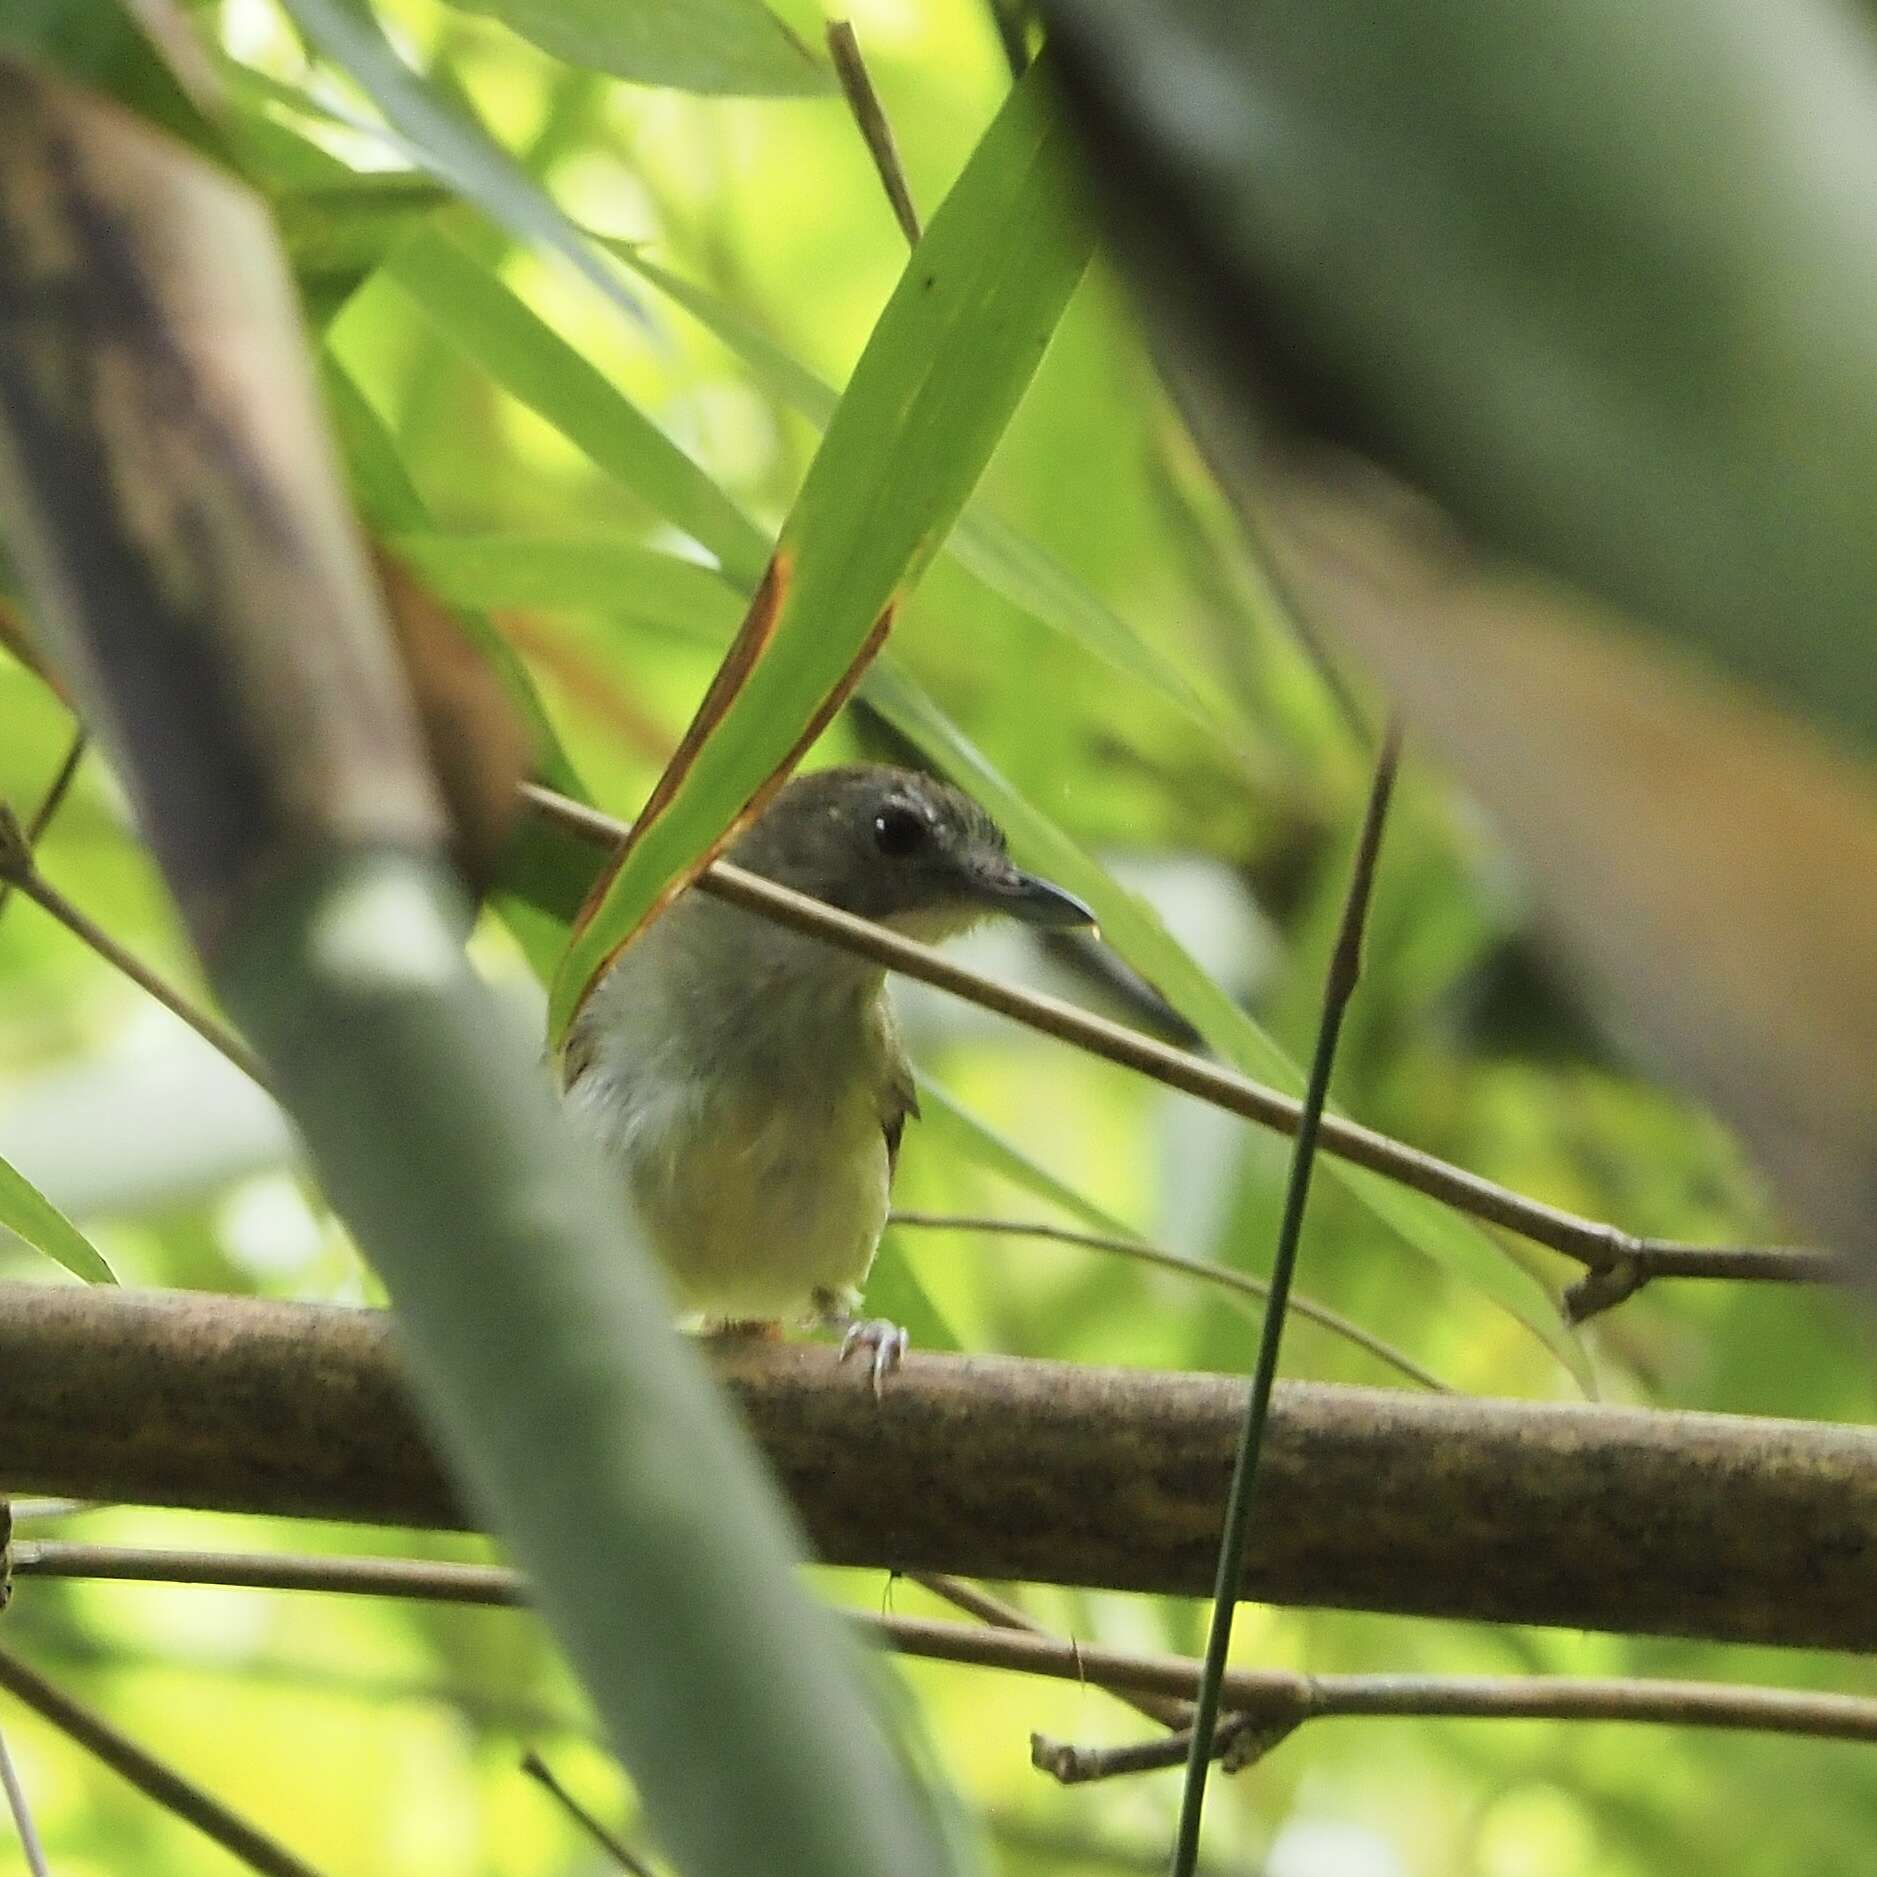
{"x": 886, "y": 1340}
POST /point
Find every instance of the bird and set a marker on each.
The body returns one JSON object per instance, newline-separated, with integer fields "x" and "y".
{"x": 747, "y": 1083}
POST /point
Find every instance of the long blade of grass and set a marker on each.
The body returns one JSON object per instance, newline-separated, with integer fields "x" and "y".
{"x": 1344, "y": 970}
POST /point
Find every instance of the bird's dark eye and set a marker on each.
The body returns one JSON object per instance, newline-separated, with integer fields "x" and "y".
{"x": 898, "y": 832}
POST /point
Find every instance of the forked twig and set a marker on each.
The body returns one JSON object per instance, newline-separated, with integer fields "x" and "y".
{"x": 18, "y": 868}
{"x": 49, "y": 803}
{"x": 1268, "y": 1696}
{"x": 979, "y": 1602}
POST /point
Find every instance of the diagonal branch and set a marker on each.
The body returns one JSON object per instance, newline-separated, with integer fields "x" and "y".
{"x": 50, "y": 802}
{"x": 1598, "y": 1246}
{"x": 148, "y": 1774}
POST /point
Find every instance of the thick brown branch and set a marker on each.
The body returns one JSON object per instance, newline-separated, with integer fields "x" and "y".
{"x": 1603, "y": 1518}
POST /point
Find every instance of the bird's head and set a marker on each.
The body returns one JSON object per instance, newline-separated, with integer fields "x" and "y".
{"x": 899, "y": 847}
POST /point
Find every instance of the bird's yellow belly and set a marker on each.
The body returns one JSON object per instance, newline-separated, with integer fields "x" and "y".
{"x": 760, "y": 1209}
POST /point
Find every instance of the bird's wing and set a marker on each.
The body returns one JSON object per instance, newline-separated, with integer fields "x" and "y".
{"x": 898, "y": 1099}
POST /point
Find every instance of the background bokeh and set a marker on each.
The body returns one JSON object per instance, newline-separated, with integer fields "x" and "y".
{"x": 379, "y": 1738}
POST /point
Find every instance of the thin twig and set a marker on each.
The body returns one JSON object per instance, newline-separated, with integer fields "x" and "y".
{"x": 1268, "y": 1696}
{"x": 1345, "y": 970}
{"x": 1605, "y": 1286}
{"x": 980, "y": 1603}
{"x": 18, "y": 868}
{"x": 30, "y": 1846}
{"x": 49, "y": 803}
{"x": 538, "y": 1770}
{"x": 1237, "y": 1742}
{"x": 420, "y": 1580}
{"x": 1599, "y": 1246}
{"x": 150, "y": 1776}
{"x": 1237, "y": 1281}
{"x": 870, "y": 115}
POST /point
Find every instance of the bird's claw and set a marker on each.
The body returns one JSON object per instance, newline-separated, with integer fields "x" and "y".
{"x": 886, "y": 1340}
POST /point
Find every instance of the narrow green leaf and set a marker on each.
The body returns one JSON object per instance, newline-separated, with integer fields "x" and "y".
{"x": 972, "y": 1139}
{"x": 454, "y": 149}
{"x": 28, "y": 1213}
{"x": 493, "y": 325}
{"x": 950, "y": 357}
{"x": 600, "y": 573}
{"x": 950, "y": 1124}
{"x": 713, "y": 46}
{"x": 1134, "y": 929}
{"x": 990, "y": 550}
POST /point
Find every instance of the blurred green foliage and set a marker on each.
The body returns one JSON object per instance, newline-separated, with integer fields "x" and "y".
{"x": 379, "y": 1738}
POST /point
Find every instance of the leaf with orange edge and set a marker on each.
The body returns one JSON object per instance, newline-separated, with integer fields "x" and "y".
{"x": 932, "y": 394}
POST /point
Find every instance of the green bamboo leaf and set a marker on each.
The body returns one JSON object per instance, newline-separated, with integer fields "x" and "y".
{"x": 933, "y": 391}
{"x": 598, "y": 573}
{"x": 735, "y": 47}
{"x": 453, "y": 148}
{"x": 989, "y": 549}
{"x": 29, "y": 1214}
{"x": 1134, "y": 929}
{"x": 494, "y": 326}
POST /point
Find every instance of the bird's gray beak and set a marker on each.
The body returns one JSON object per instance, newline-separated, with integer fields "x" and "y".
{"x": 1021, "y": 895}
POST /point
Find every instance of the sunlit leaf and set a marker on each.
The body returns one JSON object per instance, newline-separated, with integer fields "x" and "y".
{"x": 27, "y": 1212}
{"x": 725, "y": 46}
{"x": 497, "y": 329}
{"x": 932, "y": 393}
{"x": 456, "y": 150}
